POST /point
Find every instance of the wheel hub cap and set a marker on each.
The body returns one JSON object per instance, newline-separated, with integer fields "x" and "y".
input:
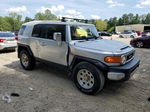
{"x": 139, "y": 44}
{"x": 85, "y": 78}
{"x": 25, "y": 60}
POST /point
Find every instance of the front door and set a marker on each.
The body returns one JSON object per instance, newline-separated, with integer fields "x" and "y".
{"x": 48, "y": 48}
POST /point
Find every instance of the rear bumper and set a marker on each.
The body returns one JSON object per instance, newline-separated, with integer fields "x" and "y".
{"x": 4, "y": 46}
{"x": 123, "y": 72}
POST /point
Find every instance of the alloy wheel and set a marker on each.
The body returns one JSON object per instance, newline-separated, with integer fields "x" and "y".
{"x": 85, "y": 78}
{"x": 24, "y": 59}
{"x": 139, "y": 44}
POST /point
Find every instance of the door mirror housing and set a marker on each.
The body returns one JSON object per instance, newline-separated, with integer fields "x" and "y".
{"x": 57, "y": 36}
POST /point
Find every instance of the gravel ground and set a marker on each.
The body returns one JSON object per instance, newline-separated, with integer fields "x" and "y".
{"x": 53, "y": 91}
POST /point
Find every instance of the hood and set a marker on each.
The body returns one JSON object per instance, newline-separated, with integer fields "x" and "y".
{"x": 102, "y": 45}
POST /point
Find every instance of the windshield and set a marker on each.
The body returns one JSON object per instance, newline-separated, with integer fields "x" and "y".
{"x": 83, "y": 32}
{"x": 7, "y": 35}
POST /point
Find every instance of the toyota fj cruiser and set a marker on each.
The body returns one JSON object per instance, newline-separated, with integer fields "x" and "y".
{"x": 76, "y": 46}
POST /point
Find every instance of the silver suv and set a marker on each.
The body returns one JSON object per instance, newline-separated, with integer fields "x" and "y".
{"x": 76, "y": 47}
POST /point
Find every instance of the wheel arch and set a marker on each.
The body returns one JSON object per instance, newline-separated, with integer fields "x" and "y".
{"x": 77, "y": 59}
{"x": 24, "y": 47}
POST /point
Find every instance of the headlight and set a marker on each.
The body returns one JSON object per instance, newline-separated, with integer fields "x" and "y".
{"x": 123, "y": 59}
{"x": 115, "y": 59}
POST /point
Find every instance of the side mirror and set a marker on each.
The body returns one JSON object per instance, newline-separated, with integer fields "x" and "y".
{"x": 57, "y": 36}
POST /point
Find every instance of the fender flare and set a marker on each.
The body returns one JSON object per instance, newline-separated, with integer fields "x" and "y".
{"x": 26, "y": 47}
{"x": 97, "y": 63}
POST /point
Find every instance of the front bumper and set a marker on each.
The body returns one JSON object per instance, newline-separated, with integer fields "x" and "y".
{"x": 132, "y": 43}
{"x": 123, "y": 72}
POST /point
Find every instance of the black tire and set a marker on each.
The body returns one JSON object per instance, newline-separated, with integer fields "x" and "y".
{"x": 31, "y": 60}
{"x": 139, "y": 44}
{"x": 98, "y": 79}
{"x": 131, "y": 36}
{"x": 120, "y": 36}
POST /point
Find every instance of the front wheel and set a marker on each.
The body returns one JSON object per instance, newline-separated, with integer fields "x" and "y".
{"x": 88, "y": 78}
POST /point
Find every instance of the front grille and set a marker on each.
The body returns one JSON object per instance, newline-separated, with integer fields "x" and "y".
{"x": 129, "y": 56}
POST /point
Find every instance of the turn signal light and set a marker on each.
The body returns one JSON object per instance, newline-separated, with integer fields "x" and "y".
{"x": 113, "y": 59}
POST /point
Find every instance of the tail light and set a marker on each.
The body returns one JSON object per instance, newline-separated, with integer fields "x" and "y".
{"x": 2, "y": 40}
{"x": 16, "y": 38}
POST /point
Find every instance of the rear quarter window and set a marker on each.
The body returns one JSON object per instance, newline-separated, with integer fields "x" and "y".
{"x": 21, "y": 31}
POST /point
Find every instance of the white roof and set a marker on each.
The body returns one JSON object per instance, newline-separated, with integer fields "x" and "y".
{"x": 55, "y": 22}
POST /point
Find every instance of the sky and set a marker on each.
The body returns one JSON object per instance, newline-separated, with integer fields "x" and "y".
{"x": 83, "y": 9}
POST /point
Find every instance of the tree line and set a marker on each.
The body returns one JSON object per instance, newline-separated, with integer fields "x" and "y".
{"x": 13, "y": 21}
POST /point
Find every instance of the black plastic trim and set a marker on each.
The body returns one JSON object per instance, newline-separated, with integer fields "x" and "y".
{"x": 55, "y": 65}
{"x": 97, "y": 63}
{"x": 27, "y": 48}
{"x": 127, "y": 68}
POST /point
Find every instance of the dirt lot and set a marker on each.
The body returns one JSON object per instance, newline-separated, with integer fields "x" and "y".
{"x": 53, "y": 91}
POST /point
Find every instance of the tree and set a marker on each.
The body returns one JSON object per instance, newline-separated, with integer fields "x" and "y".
{"x": 143, "y": 18}
{"x": 92, "y": 21}
{"x": 112, "y": 22}
{"x": 47, "y": 15}
{"x": 14, "y": 20}
{"x": 28, "y": 19}
{"x": 136, "y": 19}
{"x": 147, "y": 20}
{"x": 101, "y": 25}
{"x": 120, "y": 21}
{"x": 112, "y": 29}
{"x": 131, "y": 18}
{"x": 125, "y": 19}
{"x": 4, "y": 26}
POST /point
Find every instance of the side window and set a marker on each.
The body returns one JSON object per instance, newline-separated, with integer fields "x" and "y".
{"x": 47, "y": 30}
{"x": 51, "y": 29}
{"x": 37, "y": 31}
{"x": 22, "y": 30}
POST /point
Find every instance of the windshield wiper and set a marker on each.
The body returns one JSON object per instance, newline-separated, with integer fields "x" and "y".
{"x": 87, "y": 38}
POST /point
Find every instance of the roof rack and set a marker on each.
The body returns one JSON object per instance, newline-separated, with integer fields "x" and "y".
{"x": 64, "y": 19}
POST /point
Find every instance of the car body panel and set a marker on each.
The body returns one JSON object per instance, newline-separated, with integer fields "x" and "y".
{"x": 128, "y": 35}
{"x": 50, "y": 51}
{"x": 145, "y": 40}
{"x": 95, "y": 49}
{"x": 105, "y": 35}
{"x": 102, "y": 45}
{"x": 9, "y": 42}
{"x": 64, "y": 54}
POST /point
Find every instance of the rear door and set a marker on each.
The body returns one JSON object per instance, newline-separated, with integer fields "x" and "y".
{"x": 48, "y": 48}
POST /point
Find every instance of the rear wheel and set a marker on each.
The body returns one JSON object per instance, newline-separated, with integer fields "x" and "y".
{"x": 139, "y": 44}
{"x": 88, "y": 79}
{"x": 131, "y": 36}
{"x": 27, "y": 61}
{"x": 120, "y": 36}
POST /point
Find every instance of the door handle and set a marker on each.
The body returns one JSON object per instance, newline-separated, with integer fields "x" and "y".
{"x": 43, "y": 43}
